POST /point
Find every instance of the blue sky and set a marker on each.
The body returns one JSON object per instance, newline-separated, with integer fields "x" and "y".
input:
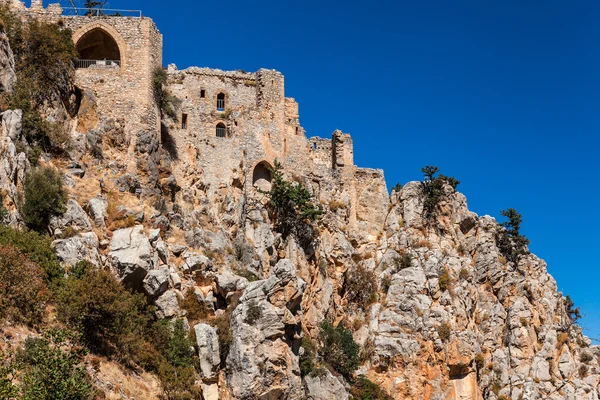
{"x": 502, "y": 94}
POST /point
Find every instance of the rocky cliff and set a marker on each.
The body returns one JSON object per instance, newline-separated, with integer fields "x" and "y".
{"x": 438, "y": 311}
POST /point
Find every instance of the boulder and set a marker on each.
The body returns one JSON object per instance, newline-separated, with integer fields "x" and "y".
{"x": 324, "y": 387}
{"x": 74, "y": 217}
{"x": 74, "y": 249}
{"x": 207, "y": 341}
{"x": 12, "y": 124}
{"x": 167, "y": 305}
{"x": 156, "y": 282}
{"x": 130, "y": 253}
{"x": 97, "y": 209}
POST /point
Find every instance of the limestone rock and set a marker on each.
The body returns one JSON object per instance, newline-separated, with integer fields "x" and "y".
{"x": 12, "y": 123}
{"x": 156, "y": 282}
{"x": 74, "y": 217}
{"x": 167, "y": 305}
{"x": 131, "y": 254}
{"x": 208, "y": 350}
{"x": 324, "y": 387}
{"x": 80, "y": 247}
{"x": 8, "y": 76}
{"x": 97, "y": 209}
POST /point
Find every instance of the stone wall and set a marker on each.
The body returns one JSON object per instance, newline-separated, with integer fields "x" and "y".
{"x": 124, "y": 92}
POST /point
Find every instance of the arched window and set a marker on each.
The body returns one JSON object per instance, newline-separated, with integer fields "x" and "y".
{"x": 221, "y": 102}
{"x": 98, "y": 49}
{"x": 221, "y": 130}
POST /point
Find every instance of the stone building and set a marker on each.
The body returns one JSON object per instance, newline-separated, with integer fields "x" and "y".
{"x": 232, "y": 125}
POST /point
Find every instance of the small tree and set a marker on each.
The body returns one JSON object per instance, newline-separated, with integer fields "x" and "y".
{"x": 573, "y": 312}
{"x": 509, "y": 240}
{"x": 54, "y": 370}
{"x": 23, "y": 291}
{"x": 338, "y": 349}
{"x": 292, "y": 207}
{"x": 166, "y": 102}
{"x": 45, "y": 197}
{"x": 95, "y": 7}
{"x": 433, "y": 189}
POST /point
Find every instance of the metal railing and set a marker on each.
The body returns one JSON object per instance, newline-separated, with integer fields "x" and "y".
{"x": 100, "y": 64}
{"x": 106, "y": 12}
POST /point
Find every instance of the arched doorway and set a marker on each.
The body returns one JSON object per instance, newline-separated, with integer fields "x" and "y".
{"x": 261, "y": 176}
{"x": 97, "y": 48}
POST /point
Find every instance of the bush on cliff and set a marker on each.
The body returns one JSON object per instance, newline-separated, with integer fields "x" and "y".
{"x": 44, "y": 197}
{"x": 44, "y": 54}
{"x": 52, "y": 369}
{"x": 292, "y": 207}
{"x": 509, "y": 240}
{"x": 338, "y": 349}
{"x": 433, "y": 189}
{"x": 37, "y": 247}
{"x": 110, "y": 320}
{"x": 23, "y": 290}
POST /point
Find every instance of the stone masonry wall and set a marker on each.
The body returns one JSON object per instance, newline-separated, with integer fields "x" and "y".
{"x": 121, "y": 93}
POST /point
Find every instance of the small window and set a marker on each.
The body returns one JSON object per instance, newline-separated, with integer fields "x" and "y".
{"x": 184, "y": 121}
{"x": 221, "y": 130}
{"x": 202, "y": 93}
{"x": 221, "y": 102}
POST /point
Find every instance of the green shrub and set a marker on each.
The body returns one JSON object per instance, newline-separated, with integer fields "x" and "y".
{"x": 463, "y": 274}
{"x": 364, "y": 389}
{"x": 35, "y": 246}
{"x": 253, "y": 313}
{"x": 44, "y": 197}
{"x": 180, "y": 349}
{"x": 386, "y": 282}
{"x": 167, "y": 103}
{"x": 307, "y": 358}
{"x": 585, "y": 357}
{"x": 44, "y": 55}
{"x": 23, "y": 290}
{"x": 433, "y": 189}
{"x": 397, "y": 187}
{"x": 510, "y": 242}
{"x": 573, "y": 312}
{"x": 292, "y": 208}
{"x": 479, "y": 361}
{"x": 179, "y": 382}
{"x": 53, "y": 369}
{"x": 338, "y": 349}
{"x": 8, "y": 378}
{"x": 111, "y": 320}
{"x": 360, "y": 286}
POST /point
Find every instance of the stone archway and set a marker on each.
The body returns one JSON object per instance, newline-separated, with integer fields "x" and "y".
{"x": 100, "y": 41}
{"x": 261, "y": 176}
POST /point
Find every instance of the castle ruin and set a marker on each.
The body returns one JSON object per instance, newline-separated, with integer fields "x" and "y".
{"x": 232, "y": 125}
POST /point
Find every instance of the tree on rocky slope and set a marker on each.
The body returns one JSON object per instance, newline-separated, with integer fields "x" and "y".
{"x": 292, "y": 207}
{"x": 509, "y": 240}
{"x": 433, "y": 189}
{"x": 44, "y": 197}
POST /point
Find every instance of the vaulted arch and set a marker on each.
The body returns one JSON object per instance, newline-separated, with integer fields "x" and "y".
{"x": 99, "y": 41}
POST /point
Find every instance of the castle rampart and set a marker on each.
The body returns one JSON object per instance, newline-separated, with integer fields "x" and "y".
{"x": 231, "y": 125}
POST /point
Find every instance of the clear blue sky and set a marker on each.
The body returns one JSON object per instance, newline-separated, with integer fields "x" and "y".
{"x": 502, "y": 94}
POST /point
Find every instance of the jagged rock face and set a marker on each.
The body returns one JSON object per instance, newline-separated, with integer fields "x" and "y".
{"x": 261, "y": 363}
{"x": 8, "y": 77}
{"x": 132, "y": 255}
